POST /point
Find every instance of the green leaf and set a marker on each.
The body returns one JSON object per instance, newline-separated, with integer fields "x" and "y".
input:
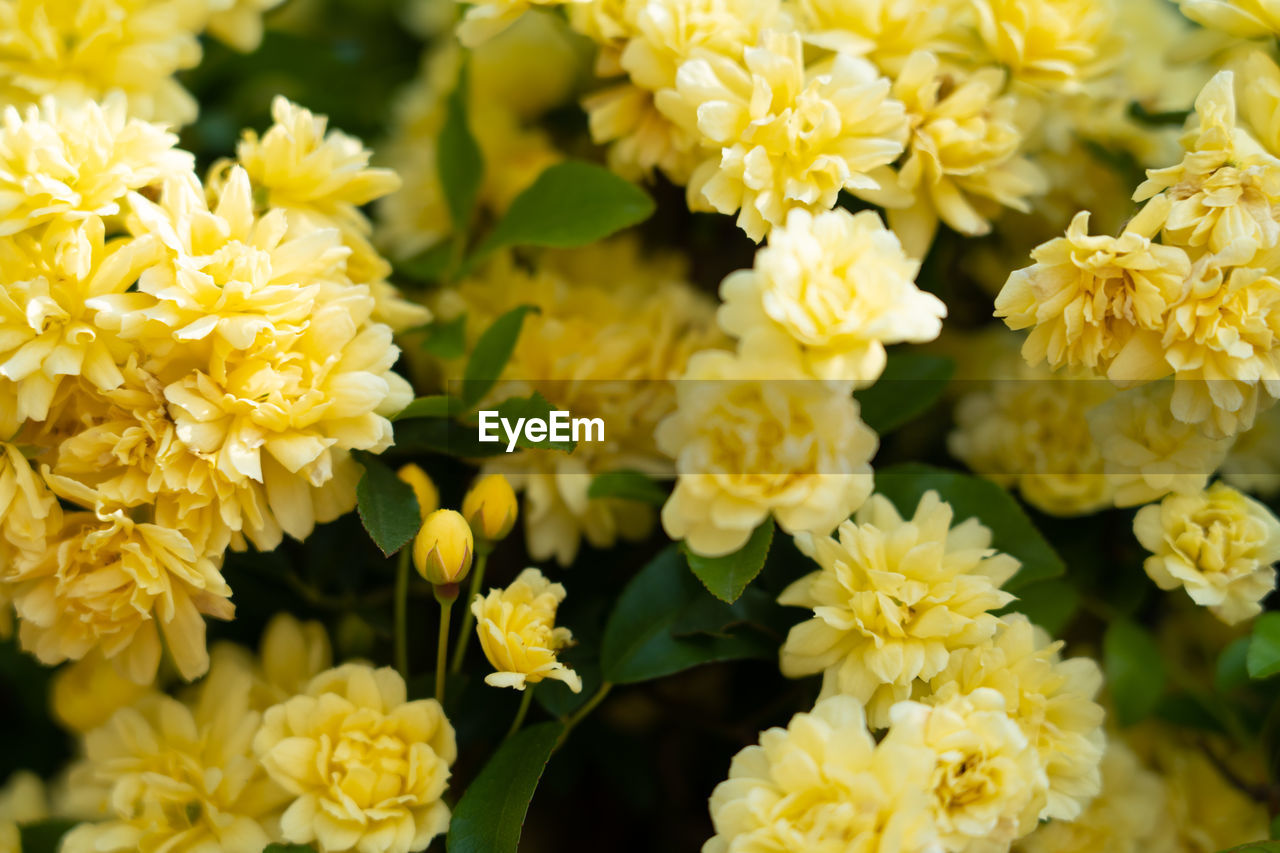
{"x": 459, "y": 162}
{"x": 570, "y": 204}
{"x": 1011, "y": 529}
{"x": 627, "y": 485}
{"x": 708, "y": 615}
{"x": 1256, "y": 847}
{"x": 434, "y": 406}
{"x": 1263, "y": 658}
{"x": 427, "y": 266}
{"x": 1049, "y": 603}
{"x": 1232, "y": 671}
{"x": 639, "y": 643}
{"x": 44, "y": 836}
{"x": 726, "y": 577}
{"x": 911, "y": 383}
{"x": 1135, "y": 671}
{"x": 491, "y": 354}
{"x": 490, "y": 815}
{"x": 387, "y": 505}
{"x": 447, "y": 339}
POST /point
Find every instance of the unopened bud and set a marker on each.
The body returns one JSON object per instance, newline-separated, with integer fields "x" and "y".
{"x": 490, "y": 507}
{"x": 423, "y": 488}
{"x": 443, "y": 548}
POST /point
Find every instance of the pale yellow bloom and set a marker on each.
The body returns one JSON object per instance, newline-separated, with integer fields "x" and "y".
{"x": 1049, "y": 44}
{"x": 732, "y": 437}
{"x": 823, "y": 784}
{"x": 884, "y": 31}
{"x": 840, "y": 286}
{"x": 1219, "y": 545}
{"x": 29, "y": 512}
{"x": 487, "y": 19}
{"x": 964, "y": 162}
{"x": 893, "y": 599}
{"x": 83, "y": 49}
{"x": 1147, "y": 452}
{"x": 1242, "y": 18}
{"x": 22, "y": 800}
{"x": 291, "y": 654}
{"x": 987, "y": 785}
{"x": 1097, "y": 301}
{"x": 85, "y": 694}
{"x": 173, "y": 776}
{"x": 365, "y": 768}
{"x": 783, "y": 135}
{"x": 1050, "y": 698}
{"x": 533, "y": 66}
{"x": 238, "y": 23}
{"x": 518, "y": 633}
{"x": 1253, "y": 465}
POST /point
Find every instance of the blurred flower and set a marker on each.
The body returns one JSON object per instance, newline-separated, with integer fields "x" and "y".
{"x": 1242, "y": 18}
{"x": 490, "y": 507}
{"x": 423, "y": 489}
{"x": 487, "y": 19}
{"x": 884, "y": 31}
{"x": 1220, "y": 545}
{"x": 1253, "y": 465}
{"x": 22, "y": 800}
{"x": 291, "y": 654}
{"x": 1050, "y": 698}
{"x": 238, "y": 23}
{"x": 893, "y": 599}
{"x": 822, "y": 783}
{"x": 783, "y": 136}
{"x": 518, "y": 633}
{"x": 840, "y": 286}
{"x": 1049, "y": 44}
{"x": 84, "y": 694}
{"x": 753, "y": 436}
{"x": 443, "y": 548}
{"x": 364, "y": 767}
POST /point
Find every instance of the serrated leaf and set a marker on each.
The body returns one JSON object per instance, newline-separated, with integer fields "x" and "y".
{"x": 628, "y": 486}
{"x": 911, "y": 383}
{"x": 447, "y": 339}
{"x": 434, "y": 406}
{"x": 969, "y": 496}
{"x": 639, "y": 643}
{"x": 459, "y": 161}
{"x": 1263, "y": 659}
{"x": 387, "y": 505}
{"x": 490, "y": 816}
{"x": 491, "y": 354}
{"x": 726, "y": 577}
{"x": 1135, "y": 671}
{"x": 570, "y": 204}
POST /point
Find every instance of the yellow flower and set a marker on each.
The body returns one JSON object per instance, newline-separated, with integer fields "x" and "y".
{"x": 443, "y": 548}
{"x": 364, "y": 767}
{"x": 822, "y": 783}
{"x": 963, "y": 162}
{"x": 884, "y": 31}
{"x": 423, "y": 489}
{"x": 987, "y": 785}
{"x": 1242, "y": 18}
{"x": 22, "y": 800}
{"x": 840, "y": 286}
{"x": 86, "y": 693}
{"x": 1049, "y": 44}
{"x": 1051, "y": 699}
{"x": 238, "y": 23}
{"x": 518, "y": 633}
{"x": 1097, "y": 301}
{"x": 732, "y": 437}
{"x": 490, "y": 507}
{"x": 1253, "y": 465}
{"x": 1219, "y": 545}
{"x": 784, "y": 136}
{"x": 29, "y": 512}
{"x": 893, "y": 600}
{"x": 1146, "y": 451}
{"x": 173, "y": 776}
{"x": 291, "y": 654}
{"x": 1125, "y": 818}
{"x": 487, "y": 19}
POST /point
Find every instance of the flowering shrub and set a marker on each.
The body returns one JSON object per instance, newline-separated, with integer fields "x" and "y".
{"x": 748, "y": 426}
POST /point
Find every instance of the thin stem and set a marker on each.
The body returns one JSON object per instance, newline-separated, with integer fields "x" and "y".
{"x": 401, "y": 612}
{"x": 468, "y": 618}
{"x": 578, "y": 715}
{"x": 442, "y": 648}
{"x": 525, "y": 701}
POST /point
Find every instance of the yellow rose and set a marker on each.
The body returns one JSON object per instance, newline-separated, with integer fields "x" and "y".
{"x": 518, "y": 633}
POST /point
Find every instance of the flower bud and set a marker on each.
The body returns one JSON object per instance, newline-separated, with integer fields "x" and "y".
{"x": 490, "y": 507}
{"x": 443, "y": 548}
{"x": 423, "y": 488}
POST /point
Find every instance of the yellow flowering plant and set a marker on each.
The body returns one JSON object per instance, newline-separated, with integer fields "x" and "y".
{"x": 841, "y": 426}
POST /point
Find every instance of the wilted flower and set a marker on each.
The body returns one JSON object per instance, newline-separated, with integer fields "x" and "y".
{"x": 518, "y": 633}
{"x": 444, "y": 547}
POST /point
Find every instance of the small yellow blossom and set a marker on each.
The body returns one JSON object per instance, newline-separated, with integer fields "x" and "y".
{"x": 1219, "y": 545}
{"x": 487, "y": 19}
{"x": 732, "y": 439}
{"x": 238, "y": 23}
{"x": 291, "y": 654}
{"x": 490, "y": 507}
{"x": 892, "y": 601}
{"x": 518, "y": 633}
{"x": 784, "y": 136}
{"x": 85, "y": 694}
{"x": 444, "y": 547}
{"x": 365, "y": 768}
{"x": 423, "y": 489}
{"x": 987, "y": 786}
{"x": 884, "y": 31}
{"x": 822, "y": 783}
{"x": 1049, "y": 44}
{"x": 1242, "y": 18}
{"x": 1050, "y": 698}
{"x": 840, "y": 286}
{"x": 29, "y": 512}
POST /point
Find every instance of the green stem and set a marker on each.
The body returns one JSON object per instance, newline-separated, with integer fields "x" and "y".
{"x": 578, "y": 715}
{"x": 401, "y": 612}
{"x": 442, "y": 647}
{"x": 525, "y": 701}
{"x": 468, "y": 618}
